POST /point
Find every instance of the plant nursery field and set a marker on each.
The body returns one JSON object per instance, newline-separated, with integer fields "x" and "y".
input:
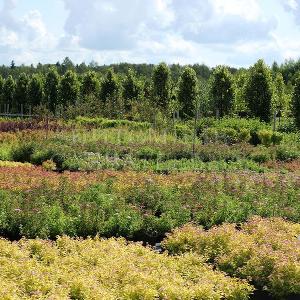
{"x": 111, "y": 209}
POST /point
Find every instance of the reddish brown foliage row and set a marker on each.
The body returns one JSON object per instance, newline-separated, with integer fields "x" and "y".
{"x": 292, "y": 166}
{"x": 13, "y": 126}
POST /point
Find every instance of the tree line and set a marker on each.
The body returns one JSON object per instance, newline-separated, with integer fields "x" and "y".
{"x": 259, "y": 91}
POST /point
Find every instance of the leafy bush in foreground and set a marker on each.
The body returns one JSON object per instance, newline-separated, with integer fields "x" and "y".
{"x": 266, "y": 252}
{"x": 108, "y": 269}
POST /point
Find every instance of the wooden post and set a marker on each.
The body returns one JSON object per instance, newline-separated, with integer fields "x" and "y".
{"x": 195, "y": 129}
{"x": 274, "y": 121}
{"x": 47, "y": 126}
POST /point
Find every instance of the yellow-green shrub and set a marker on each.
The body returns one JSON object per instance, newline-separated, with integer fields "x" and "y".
{"x": 108, "y": 269}
{"x": 13, "y": 164}
{"x": 264, "y": 251}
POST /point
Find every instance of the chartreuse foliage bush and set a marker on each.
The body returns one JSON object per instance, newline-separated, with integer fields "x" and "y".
{"x": 107, "y": 123}
{"x": 266, "y": 252}
{"x": 108, "y": 269}
{"x": 268, "y": 137}
{"x": 13, "y": 164}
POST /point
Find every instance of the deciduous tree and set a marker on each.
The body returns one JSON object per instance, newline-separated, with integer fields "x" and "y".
{"x": 221, "y": 91}
{"x": 22, "y": 89}
{"x": 187, "y": 92}
{"x": 52, "y": 88}
{"x": 161, "y": 85}
{"x": 109, "y": 86}
{"x": 132, "y": 89}
{"x": 1, "y": 87}
{"x": 296, "y": 101}
{"x": 35, "y": 94}
{"x": 258, "y": 91}
{"x": 8, "y": 91}
{"x": 90, "y": 84}
{"x": 280, "y": 98}
{"x": 69, "y": 89}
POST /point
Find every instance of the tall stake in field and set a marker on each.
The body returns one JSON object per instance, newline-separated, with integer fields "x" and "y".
{"x": 195, "y": 124}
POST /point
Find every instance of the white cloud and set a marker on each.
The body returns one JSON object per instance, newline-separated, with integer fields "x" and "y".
{"x": 247, "y": 9}
{"x": 120, "y": 25}
{"x": 21, "y": 37}
{"x": 116, "y": 24}
{"x": 293, "y": 7}
{"x": 291, "y": 4}
{"x": 210, "y": 31}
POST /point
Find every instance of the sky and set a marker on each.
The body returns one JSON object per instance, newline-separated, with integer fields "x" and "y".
{"x": 230, "y": 32}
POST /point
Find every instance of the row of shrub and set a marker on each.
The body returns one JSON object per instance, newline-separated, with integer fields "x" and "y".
{"x": 7, "y": 125}
{"x": 236, "y": 130}
{"x": 93, "y": 162}
{"x": 266, "y": 252}
{"x": 230, "y": 135}
{"x": 112, "y": 269}
{"x": 121, "y": 148}
{"x": 206, "y": 157}
{"x": 145, "y": 212}
{"x": 38, "y": 123}
{"x": 227, "y": 130}
{"x": 107, "y": 123}
{"x": 253, "y": 125}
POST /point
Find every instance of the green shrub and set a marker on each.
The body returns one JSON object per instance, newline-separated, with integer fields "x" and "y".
{"x": 288, "y": 126}
{"x": 261, "y": 155}
{"x": 287, "y": 153}
{"x": 229, "y": 135}
{"x": 23, "y": 152}
{"x": 238, "y": 124}
{"x": 265, "y": 137}
{"x": 182, "y": 130}
{"x": 268, "y": 137}
{"x": 71, "y": 164}
{"x": 49, "y": 165}
{"x": 147, "y": 153}
{"x": 5, "y": 153}
{"x": 276, "y": 138}
{"x": 244, "y": 135}
{"x": 52, "y": 152}
{"x": 39, "y": 156}
{"x": 224, "y": 135}
{"x": 217, "y": 152}
{"x": 209, "y": 135}
{"x": 107, "y": 123}
{"x": 213, "y": 199}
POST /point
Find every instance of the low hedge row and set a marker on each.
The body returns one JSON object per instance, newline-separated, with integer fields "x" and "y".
{"x": 145, "y": 212}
